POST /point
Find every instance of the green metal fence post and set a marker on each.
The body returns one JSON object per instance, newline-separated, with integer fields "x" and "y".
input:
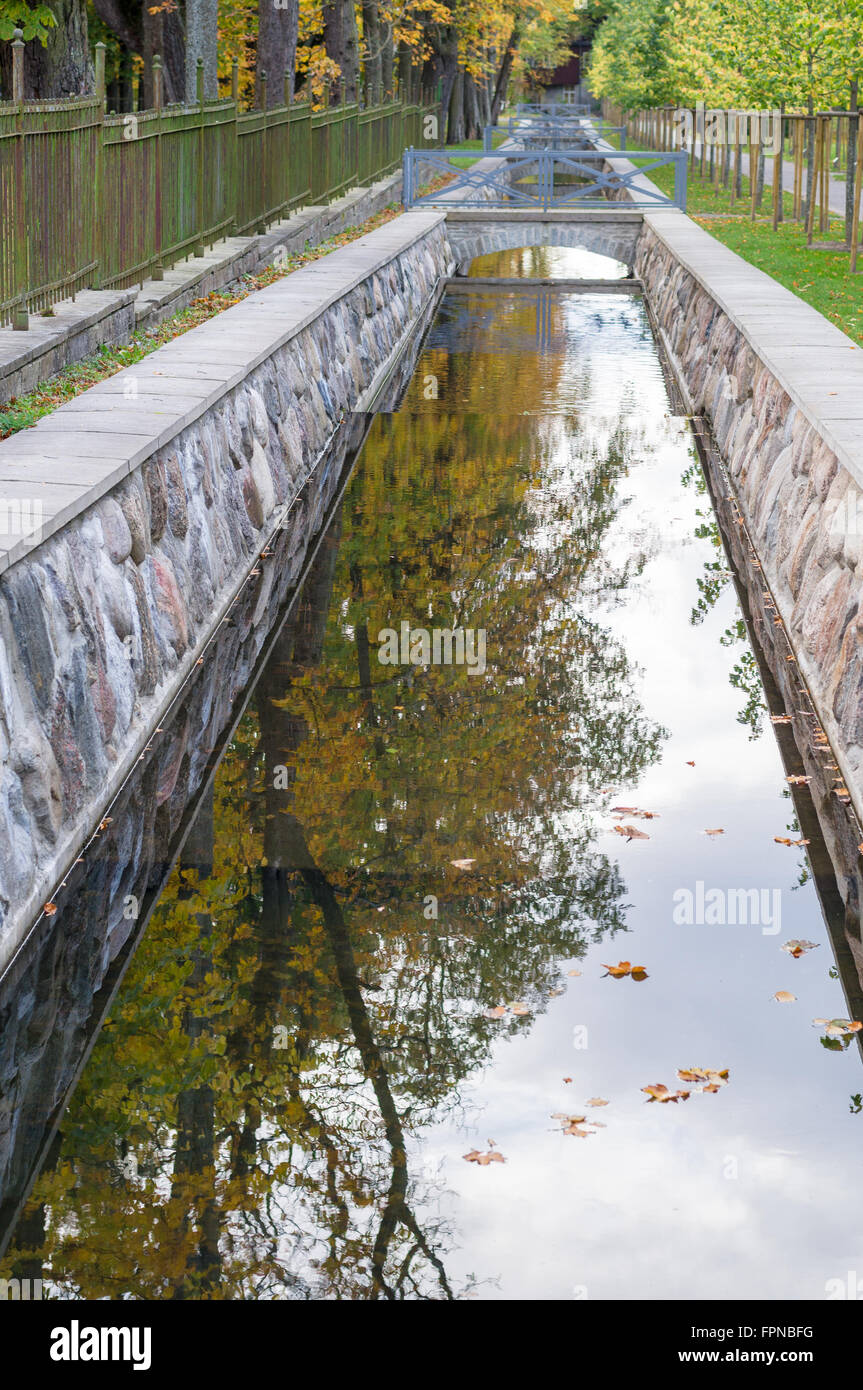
{"x": 98, "y": 219}
{"x": 265, "y": 170}
{"x": 199, "y": 219}
{"x": 158, "y": 79}
{"x": 20, "y": 319}
{"x": 234, "y": 177}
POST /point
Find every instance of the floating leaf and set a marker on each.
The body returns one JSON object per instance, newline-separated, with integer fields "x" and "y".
{"x": 784, "y": 996}
{"x": 497, "y": 1012}
{"x": 838, "y": 1027}
{"x": 520, "y": 1009}
{"x": 462, "y": 863}
{"x": 704, "y": 1078}
{"x": 797, "y": 780}
{"x": 662, "y": 1093}
{"x": 779, "y": 840}
{"x": 631, "y": 832}
{"x": 617, "y": 972}
{"x": 483, "y": 1159}
{"x": 596, "y": 1100}
{"x": 49, "y": 909}
{"x": 714, "y": 832}
{"x": 573, "y": 972}
{"x": 798, "y": 948}
{"x": 567, "y": 1081}
{"x": 690, "y": 764}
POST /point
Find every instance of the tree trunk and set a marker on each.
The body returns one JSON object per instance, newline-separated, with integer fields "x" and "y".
{"x": 342, "y": 46}
{"x": 201, "y": 42}
{"x": 502, "y": 82}
{"x": 455, "y": 123}
{"x": 277, "y": 49}
{"x": 472, "y": 121}
{"x": 145, "y": 34}
{"x": 388, "y": 55}
{"x": 448, "y": 55}
{"x": 62, "y": 68}
{"x": 406, "y": 73}
{"x": 372, "y": 41}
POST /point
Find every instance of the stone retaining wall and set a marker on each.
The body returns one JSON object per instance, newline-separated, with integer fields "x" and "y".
{"x": 103, "y": 621}
{"x": 800, "y": 504}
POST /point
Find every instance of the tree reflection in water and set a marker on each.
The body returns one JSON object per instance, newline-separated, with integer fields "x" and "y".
{"x": 297, "y": 1014}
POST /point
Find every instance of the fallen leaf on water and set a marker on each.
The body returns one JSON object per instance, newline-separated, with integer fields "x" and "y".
{"x": 704, "y": 1078}
{"x": 630, "y": 832}
{"x": 617, "y": 972}
{"x": 497, "y": 1012}
{"x": 714, "y": 832}
{"x": 596, "y": 1100}
{"x": 797, "y": 781}
{"x": 780, "y": 719}
{"x": 573, "y": 972}
{"x": 780, "y": 840}
{"x": 784, "y": 996}
{"x": 578, "y": 1133}
{"x": 690, "y": 764}
{"x": 624, "y": 810}
{"x": 662, "y": 1093}
{"x": 476, "y": 1157}
{"x": 520, "y": 1009}
{"x": 567, "y": 1081}
{"x": 553, "y": 993}
{"x": 49, "y": 909}
{"x": 838, "y": 1027}
{"x": 798, "y": 948}
{"x": 462, "y": 863}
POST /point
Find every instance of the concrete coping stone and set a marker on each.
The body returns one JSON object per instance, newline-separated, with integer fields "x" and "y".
{"x": 796, "y": 343}
{"x": 74, "y": 455}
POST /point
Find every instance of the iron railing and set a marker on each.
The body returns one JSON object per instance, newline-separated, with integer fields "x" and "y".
{"x": 554, "y": 134}
{"x": 544, "y": 180}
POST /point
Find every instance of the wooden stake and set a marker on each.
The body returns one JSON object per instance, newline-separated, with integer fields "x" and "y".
{"x": 858, "y": 176}
{"x": 813, "y": 191}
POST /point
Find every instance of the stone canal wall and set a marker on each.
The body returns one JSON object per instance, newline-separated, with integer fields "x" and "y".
{"x": 154, "y": 493}
{"x": 782, "y": 391}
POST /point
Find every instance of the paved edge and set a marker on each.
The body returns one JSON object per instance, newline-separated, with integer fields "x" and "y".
{"x": 76, "y": 328}
{"x": 73, "y": 456}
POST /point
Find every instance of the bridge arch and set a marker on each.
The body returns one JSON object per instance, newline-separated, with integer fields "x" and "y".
{"x": 477, "y": 237}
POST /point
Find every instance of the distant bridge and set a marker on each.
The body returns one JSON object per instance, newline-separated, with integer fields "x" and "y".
{"x": 611, "y": 232}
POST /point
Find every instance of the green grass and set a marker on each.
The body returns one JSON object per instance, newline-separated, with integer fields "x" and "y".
{"x": 22, "y": 411}
{"x": 466, "y": 147}
{"x": 820, "y": 278}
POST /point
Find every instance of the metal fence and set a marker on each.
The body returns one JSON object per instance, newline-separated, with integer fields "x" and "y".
{"x": 558, "y": 133}
{"x": 92, "y": 200}
{"x": 544, "y": 180}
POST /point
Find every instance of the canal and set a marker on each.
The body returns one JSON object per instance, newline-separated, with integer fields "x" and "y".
{"x": 460, "y": 978}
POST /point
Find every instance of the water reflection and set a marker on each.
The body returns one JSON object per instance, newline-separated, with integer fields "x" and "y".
{"x": 309, "y": 1035}
{"x": 548, "y": 262}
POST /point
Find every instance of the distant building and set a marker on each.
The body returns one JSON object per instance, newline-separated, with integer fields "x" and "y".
{"x": 566, "y": 83}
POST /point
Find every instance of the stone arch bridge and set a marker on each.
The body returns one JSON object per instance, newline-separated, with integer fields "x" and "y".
{"x": 608, "y": 233}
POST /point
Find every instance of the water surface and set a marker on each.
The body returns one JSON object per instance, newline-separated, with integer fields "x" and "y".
{"x": 301, "y": 1053}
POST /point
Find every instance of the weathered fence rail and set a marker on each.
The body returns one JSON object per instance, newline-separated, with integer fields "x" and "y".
{"x": 104, "y": 201}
